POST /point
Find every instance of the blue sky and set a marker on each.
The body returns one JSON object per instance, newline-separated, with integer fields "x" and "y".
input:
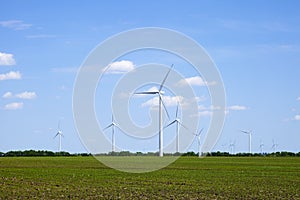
{"x": 255, "y": 45}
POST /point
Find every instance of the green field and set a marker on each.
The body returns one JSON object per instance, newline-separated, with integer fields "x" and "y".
{"x": 187, "y": 178}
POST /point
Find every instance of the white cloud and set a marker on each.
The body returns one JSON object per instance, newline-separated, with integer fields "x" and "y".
{"x": 15, "y": 24}
{"x": 237, "y": 107}
{"x": 7, "y": 95}
{"x": 209, "y": 110}
{"x": 201, "y": 107}
{"x": 152, "y": 89}
{"x": 195, "y": 81}
{"x": 297, "y": 117}
{"x": 119, "y": 67}
{"x": 26, "y": 95}
{"x": 13, "y": 106}
{"x": 298, "y": 99}
{"x": 7, "y": 59}
{"x": 205, "y": 113}
{"x": 23, "y": 95}
{"x": 10, "y": 75}
{"x": 168, "y": 101}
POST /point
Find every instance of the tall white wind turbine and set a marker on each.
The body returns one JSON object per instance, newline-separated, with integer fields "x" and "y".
{"x": 198, "y": 135}
{"x": 249, "y": 133}
{"x": 112, "y": 125}
{"x": 160, "y": 103}
{"x": 59, "y": 134}
{"x": 178, "y": 122}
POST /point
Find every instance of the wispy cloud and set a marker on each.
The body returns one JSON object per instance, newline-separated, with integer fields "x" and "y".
{"x": 13, "y": 106}
{"x": 7, "y": 95}
{"x": 195, "y": 81}
{"x": 297, "y": 117}
{"x": 168, "y": 101}
{"x": 23, "y": 95}
{"x": 208, "y": 111}
{"x": 7, "y": 59}
{"x": 119, "y": 67}
{"x": 11, "y": 75}
{"x": 205, "y": 113}
{"x": 237, "y": 107}
{"x": 15, "y": 24}
{"x": 298, "y": 99}
{"x": 26, "y": 95}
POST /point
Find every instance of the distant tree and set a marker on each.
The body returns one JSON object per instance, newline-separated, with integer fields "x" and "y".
{"x": 139, "y": 153}
{"x": 190, "y": 153}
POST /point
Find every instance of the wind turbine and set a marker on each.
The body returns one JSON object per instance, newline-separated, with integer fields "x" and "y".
{"x": 274, "y": 146}
{"x": 59, "y": 134}
{"x": 250, "y": 134}
{"x": 198, "y": 135}
{"x": 112, "y": 125}
{"x": 177, "y": 121}
{"x": 261, "y": 147}
{"x": 160, "y": 103}
{"x": 231, "y": 146}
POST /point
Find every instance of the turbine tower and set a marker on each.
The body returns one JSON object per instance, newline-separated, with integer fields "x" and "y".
{"x": 177, "y": 121}
{"x": 160, "y": 103}
{"x": 198, "y": 135}
{"x": 112, "y": 125}
{"x": 59, "y": 134}
{"x": 250, "y": 134}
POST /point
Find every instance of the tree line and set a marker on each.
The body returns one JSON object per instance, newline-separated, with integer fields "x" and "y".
{"x": 39, "y": 153}
{"x": 29, "y": 153}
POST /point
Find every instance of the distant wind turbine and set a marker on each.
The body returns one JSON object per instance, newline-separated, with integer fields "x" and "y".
{"x": 177, "y": 121}
{"x": 198, "y": 135}
{"x": 59, "y": 134}
{"x": 274, "y": 146}
{"x": 232, "y": 146}
{"x": 261, "y": 147}
{"x": 160, "y": 103}
{"x": 112, "y": 125}
{"x": 249, "y": 133}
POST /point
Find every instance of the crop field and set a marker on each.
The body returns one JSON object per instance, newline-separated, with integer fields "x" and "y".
{"x": 187, "y": 178}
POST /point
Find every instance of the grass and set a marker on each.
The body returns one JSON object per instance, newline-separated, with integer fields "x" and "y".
{"x": 187, "y": 178}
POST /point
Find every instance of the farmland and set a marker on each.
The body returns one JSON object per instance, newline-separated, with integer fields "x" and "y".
{"x": 187, "y": 178}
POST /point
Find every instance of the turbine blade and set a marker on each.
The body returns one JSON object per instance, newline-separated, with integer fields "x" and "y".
{"x": 162, "y": 102}
{"x": 177, "y": 111}
{"x": 199, "y": 133}
{"x": 145, "y": 92}
{"x": 247, "y": 132}
{"x": 162, "y": 84}
{"x": 55, "y": 135}
{"x": 181, "y": 124}
{"x": 170, "y": 124}
{"x": 108, "y": 126}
